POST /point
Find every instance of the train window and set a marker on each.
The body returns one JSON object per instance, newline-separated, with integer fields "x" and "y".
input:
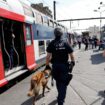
{"x": 45, "y": 21}
{"x": 4, "y": 0}
{"x": 55, "y": 24}
{"x": 51, "y": 23}
{"x": 28, "y": 35}
{"x": 39, "y": 18}
{"x": 59, "y": 25}
{"x": 42, "y": 19}
{"x": 37, "y": 32}
{"x": 27, "y": 10}
{"x": 41, "y": 47}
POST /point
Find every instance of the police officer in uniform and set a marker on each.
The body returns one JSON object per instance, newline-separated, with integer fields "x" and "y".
{"x": 59, "y": 52}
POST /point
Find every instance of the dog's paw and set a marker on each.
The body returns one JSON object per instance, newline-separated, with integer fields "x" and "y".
{"x": 30, "y": 94}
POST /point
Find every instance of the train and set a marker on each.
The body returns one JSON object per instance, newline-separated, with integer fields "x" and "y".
{"x": 24, "y": 36}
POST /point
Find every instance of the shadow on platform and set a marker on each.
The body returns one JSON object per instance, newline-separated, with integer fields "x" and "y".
{"x": 30, "y": 100}
{"x": 97, "y": 58}
{"x": 54, "y": 102}
{"x": 95, "y": 50}
{"x": 102, "y": 95}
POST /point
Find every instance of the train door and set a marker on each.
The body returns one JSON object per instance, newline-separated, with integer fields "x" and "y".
{"x": 2, "y": 73}
{"x": 29, "y": 47}
{"x": 12, "y": 46}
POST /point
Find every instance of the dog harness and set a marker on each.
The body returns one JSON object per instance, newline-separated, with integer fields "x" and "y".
{"x": 46, "y": 75}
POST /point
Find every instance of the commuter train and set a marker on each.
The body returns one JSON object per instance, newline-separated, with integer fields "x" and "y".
{"x": 24, "y": 36}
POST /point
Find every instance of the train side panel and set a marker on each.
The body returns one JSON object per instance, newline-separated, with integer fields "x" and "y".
{"x": 3, "y": 81}
{"x": 42, "y": 36}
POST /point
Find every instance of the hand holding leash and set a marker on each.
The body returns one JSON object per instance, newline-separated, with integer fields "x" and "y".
{"x": 71, "y": 65}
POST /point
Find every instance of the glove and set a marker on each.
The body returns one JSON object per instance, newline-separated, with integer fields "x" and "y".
{"x": 70, "y": 66}
{"x": 72, "y": 63}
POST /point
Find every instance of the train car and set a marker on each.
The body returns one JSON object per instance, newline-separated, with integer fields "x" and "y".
{"x": 43, "y": 27}
{"x": 16, "y": 40}
{"x": 24, "y": 36}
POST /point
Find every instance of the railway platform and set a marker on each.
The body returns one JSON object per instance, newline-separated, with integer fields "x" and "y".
{"x": 86, "y": 88}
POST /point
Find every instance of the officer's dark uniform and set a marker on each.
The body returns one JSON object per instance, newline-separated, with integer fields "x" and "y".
{"x": 60, "y": 50}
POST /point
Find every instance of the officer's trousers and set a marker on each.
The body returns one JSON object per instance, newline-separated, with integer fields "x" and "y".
{"x": 60, "y": 72}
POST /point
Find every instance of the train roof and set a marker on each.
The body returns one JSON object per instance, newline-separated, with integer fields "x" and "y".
{"x": 28, "y": 13}
{"x": 13, "y": 6}
{"x": 23, "y": 8}
{"x": 16, "y": 7}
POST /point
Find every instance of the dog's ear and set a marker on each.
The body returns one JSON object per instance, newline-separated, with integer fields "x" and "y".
{"x": 47, "y": 67}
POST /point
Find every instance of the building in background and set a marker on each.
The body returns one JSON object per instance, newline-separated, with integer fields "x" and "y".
{"x": 43, "y": 9}
{"x": 94, "y": 31}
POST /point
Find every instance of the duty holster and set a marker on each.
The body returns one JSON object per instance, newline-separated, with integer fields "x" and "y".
{"x": 68, "y": 78}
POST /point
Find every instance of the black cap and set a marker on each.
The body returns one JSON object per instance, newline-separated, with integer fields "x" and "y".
{"x": 58, "y": 32}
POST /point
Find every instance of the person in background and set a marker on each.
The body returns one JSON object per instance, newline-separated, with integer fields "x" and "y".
{"x": 86, "y": 42}
{"x": 59, "y": 52}
{"x": 95, "y": 41}
{"x": 79, "y": 39}
{"x": 104, "y": 47}
{"x": 104, "y": 53}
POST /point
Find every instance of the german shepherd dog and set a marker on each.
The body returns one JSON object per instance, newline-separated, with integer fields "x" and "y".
{"x": 38, "y": 80}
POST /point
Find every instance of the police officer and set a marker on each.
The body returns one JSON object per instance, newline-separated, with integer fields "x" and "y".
{"x": 58, "y": 52}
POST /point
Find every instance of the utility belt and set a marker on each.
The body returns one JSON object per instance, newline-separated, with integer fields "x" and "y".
{"x": 68, "y": 76}
{"x": 69, "y": 64}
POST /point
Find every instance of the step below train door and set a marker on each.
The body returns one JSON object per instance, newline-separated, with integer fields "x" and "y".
{"x": 31, "y": 64}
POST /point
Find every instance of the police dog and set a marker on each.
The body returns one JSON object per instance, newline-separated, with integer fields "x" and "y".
{"x": 38, "y": 80}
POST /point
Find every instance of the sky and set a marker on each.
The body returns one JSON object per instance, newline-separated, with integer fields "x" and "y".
{"x": 74, "y": 9}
